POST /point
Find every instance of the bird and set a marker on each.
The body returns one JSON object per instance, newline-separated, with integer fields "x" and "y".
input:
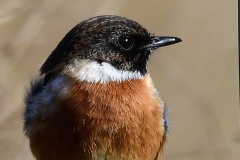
{"x": 94, "y": 98}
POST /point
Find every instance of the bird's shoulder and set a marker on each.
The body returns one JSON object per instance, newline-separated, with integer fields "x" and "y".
{"x": 41, "y": 99}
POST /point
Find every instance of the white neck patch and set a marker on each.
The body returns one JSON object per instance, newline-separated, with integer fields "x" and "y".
{"x": 93, "y": 72}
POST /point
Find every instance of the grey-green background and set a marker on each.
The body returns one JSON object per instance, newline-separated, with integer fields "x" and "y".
{"x": 198, "y": 78}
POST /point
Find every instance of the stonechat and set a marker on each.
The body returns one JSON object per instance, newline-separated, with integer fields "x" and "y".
{"x": 94, "y": 98}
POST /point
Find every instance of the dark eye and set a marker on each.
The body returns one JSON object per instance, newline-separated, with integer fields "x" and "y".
{"x": 126, "y": 43}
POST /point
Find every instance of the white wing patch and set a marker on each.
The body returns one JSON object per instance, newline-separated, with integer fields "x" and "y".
{"x": 93, "y": 72}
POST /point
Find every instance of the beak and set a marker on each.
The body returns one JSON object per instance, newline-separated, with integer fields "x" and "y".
{"x": 157, "y": 41}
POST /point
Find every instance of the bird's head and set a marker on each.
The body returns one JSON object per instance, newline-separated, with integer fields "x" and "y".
{"x": 103, "y": 49}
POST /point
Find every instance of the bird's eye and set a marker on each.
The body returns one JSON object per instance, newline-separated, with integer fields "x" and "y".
{"x": 126, "y": 43}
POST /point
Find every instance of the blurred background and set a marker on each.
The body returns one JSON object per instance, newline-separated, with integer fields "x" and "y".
{"x": 198, "y": 78}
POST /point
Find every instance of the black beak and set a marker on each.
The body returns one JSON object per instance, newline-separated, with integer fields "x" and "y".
{"x": 157, "y": 41}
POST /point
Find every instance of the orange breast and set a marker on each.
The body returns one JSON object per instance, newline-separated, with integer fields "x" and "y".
{"x": 109, "y": 120}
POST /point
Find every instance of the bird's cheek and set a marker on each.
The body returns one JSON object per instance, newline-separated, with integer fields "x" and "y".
{"x": 143, "y": 55}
